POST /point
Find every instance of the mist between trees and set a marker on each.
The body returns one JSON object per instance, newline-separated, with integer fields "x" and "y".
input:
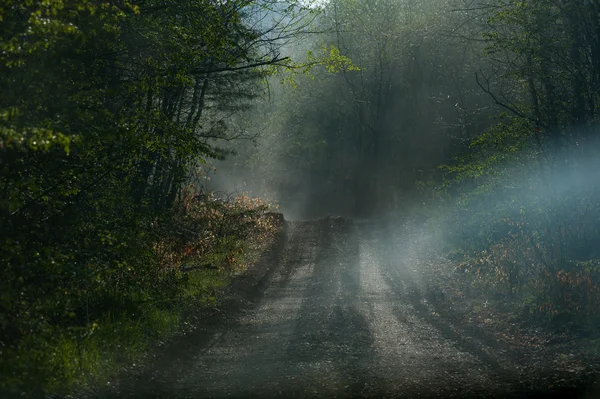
{"x": 110, "y": 110}
{"x": 478, "y": 117}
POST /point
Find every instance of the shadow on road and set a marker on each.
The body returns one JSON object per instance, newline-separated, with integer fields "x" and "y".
{"x": 331, "y": 332}
{"x": 435, "y": 313}
{"x": 245, "y": 294}
{"x": 296, "y": 327}
{"x": 499, "y": 362}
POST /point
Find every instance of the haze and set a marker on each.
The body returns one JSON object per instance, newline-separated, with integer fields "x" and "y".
{"x": 291, "y": 198}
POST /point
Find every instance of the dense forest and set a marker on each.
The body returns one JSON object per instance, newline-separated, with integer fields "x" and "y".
{"x": 477, "y": 118}
{"x": 109, "y": 110}
{"x": 477, "y": 115}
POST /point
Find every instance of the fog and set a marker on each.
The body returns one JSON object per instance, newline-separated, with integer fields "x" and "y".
{"x": 451, "y": 154}
{"x": 359, "y": 142}
{"x": 437, "y": 164}
{"x": 436, "y": 123}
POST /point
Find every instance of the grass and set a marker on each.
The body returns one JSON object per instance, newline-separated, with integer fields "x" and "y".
{"x": 204, "y": 284}
{"x": 66, "y": 360}
{"x": 119, "y": 341}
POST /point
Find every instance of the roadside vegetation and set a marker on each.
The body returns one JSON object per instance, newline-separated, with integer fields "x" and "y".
{"x": 523, "y": 197}
{"x": 112, "y": 317}
{"x": 481, "y": 116}
{"x": 108, "y": 113}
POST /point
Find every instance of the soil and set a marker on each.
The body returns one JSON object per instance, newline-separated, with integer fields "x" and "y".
{"x": 340, "y": 309}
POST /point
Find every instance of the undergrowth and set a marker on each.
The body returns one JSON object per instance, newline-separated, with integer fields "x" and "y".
{"x": 519, "y": 225}
{"x": 191, "y": 257}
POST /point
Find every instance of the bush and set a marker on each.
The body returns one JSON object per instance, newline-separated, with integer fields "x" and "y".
{"x": 521, "y": 224}
{"x": 81, "y": 328}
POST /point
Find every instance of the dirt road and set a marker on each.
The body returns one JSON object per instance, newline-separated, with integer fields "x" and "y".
{"x": 340, "y": 313}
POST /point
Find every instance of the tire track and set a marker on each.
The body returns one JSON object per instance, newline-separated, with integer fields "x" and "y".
{"x": 336, "y": 312}
{"x": 486, "y": 371}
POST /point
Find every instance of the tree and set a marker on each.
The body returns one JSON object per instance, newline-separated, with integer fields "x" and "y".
{"x": 105, "y": 108}
{"x": 368, "y": 134}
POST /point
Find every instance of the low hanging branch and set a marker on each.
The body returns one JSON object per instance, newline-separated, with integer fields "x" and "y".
{"x": 504, "y": 105}
{"x": 274, "y": 61}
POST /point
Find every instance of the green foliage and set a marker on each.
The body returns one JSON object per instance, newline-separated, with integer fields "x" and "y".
{"x": 328, "y": 57}
{"x": 89, "y": 326}
{"x": 105, "y": 109}
{"x": 522, "y": 199}
{"x": 493, "y": 153}
{"x": 332, "y": 59}
{"x": 520, "y": 221}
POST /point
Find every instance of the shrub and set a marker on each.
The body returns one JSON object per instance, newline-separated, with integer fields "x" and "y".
{"x": 86, "y": 326}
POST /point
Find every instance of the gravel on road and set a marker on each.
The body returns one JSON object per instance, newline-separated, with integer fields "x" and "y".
{"x": 338, "y": 312}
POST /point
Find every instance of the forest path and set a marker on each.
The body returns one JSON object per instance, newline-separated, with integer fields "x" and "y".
{"x": 340, "y": 314}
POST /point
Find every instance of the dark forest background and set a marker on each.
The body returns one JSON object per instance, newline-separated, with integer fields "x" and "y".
{"x": 478, "y": 115}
